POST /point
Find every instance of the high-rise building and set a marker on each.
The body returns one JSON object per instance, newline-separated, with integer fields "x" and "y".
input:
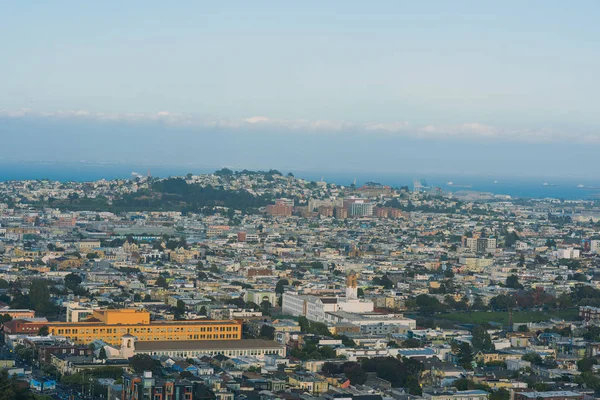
{"x": 281, "y": 208}
{"x": 361, "y": 209}
{"x": 387, "y": 212}
{"x": 341, "y": 213}
{"x": 480, "y": 245}
{"x": 326, "y": 211}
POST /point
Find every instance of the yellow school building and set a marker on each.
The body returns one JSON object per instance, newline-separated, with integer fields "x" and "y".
{"x": 111, "y": 325}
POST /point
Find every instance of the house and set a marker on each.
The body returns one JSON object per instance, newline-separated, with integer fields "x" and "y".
{"x": 552, "y": 395}
{"x": 311, "y": 383}
{"x": 487, "y": 357}
{"x": 458, "y": 395}
{"x": 184, "y": 366}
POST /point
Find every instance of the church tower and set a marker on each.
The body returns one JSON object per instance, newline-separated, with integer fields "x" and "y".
{"x": 352, "y": 286}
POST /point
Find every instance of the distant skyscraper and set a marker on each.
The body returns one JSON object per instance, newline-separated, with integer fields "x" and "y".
{"x": 361, "y": 209}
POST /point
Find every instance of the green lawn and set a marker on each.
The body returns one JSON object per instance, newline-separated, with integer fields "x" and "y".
{"x": 478, "y": 317}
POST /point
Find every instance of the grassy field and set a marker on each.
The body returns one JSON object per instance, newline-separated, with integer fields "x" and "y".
{"x": 478, "y": 317}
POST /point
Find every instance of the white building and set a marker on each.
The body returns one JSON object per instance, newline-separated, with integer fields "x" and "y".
{"x": 314, "y": 308}
{"x": 370, "y": 318}
{"x": 567, "y": 253}
{"x": 595, "y": 246}
{"x": 77, "y": 312}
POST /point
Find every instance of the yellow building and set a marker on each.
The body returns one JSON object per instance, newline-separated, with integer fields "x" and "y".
{"x": 18, "y": 314}
{"x": 86, "y": 246}
{"x": 312, "y": 383}
{"x": 111, "y": 325}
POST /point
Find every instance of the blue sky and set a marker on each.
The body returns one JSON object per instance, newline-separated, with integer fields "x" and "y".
{"x": 471, "y": 76}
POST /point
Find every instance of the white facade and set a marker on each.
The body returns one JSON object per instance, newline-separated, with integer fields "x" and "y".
{"x": 356, "y": 306}
{"x": 567, "y": 253}
{"x": 312, "y": 307}
{"x": 361, "y": 319}
{"x": 361, "y": 209}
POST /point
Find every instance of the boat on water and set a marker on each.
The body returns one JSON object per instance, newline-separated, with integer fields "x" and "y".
{"x": 449, "y": 183}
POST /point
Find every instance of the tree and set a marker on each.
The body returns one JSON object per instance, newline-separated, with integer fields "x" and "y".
{"x": 586, "y": 364}
{"x": 355, "y": 373}
{"x": 279, "y": 287}
{"x": 72, "y": 281}
{"x": 202, "y": 310}
{"x": 400, "y": 373}
{"x": 202, "y": 276}
{"x": 265, "y": 307}
{"x": 179, "y": 309}
{"x": 102, "y": 354}
{"x": 203, "y": 392}
{"x": 411, "y": 343}
{"x": 304, "y": 324}
{"x": 512, "y": 281}
{"x": 330, "y": 368}
{"x": 5, "y": 318}
{"x": 481, "y": 339}
{"x": 319, "y": 328}
{"x": 143, "y": 362}
{"x": 510, "y": 238}
{"x": 428, "y": 304}
{"x": 43, "y": 331}
{"x": 500, "y": 394}
{"x": 383, "y": 281}
{"x": 267, "y": 332}
{"x": 11, "y": 389}
{"x": 39, "y": 296}
{"x": 465, "y": 355}
{"x": 161, "y": 282}
{"x": 478, "y": 303}
{"x": 502, "y": 302}
{"x": 533, "y": 358}
{"x": 346, "y": 341}
{"x": 4, "y": 284}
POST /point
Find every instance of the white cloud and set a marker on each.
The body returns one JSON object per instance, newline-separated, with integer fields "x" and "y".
{"x": 471, "y": 130}
{"x": 256, "y": 120}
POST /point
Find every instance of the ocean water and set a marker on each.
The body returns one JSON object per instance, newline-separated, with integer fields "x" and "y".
{"x": 531, "y": 187}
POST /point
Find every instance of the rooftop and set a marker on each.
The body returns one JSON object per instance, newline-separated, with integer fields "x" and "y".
{"x": 242, "y": 344}
{"x": 535, "y": 395}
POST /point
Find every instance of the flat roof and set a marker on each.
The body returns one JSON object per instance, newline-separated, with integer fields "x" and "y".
{"x": 152, "y": 323}
{"x": 241, "y": 344}
{"x": 564, "y": 393}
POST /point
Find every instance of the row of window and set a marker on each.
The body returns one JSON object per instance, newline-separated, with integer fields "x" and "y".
{"x": 229, "y": 353}
{"x": 115, "y": 339}
{"x": 68, "y": 331}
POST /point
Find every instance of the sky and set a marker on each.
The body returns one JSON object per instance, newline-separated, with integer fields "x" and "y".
{"x": 434, "y": 86}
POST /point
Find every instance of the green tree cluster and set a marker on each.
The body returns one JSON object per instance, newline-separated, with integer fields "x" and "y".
{"x": 352, "y": 370}
{"x": 400, "y": 373}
